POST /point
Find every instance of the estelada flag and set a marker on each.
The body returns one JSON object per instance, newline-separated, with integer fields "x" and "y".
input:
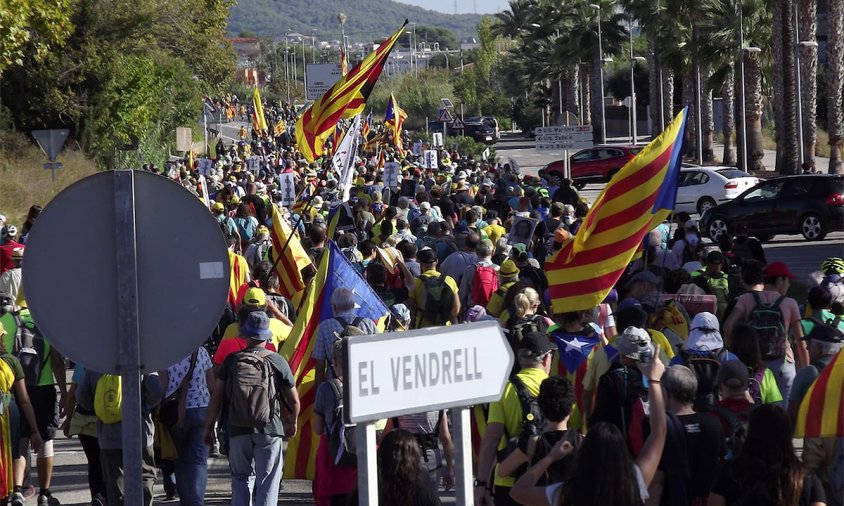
{"x": 394, "y": 119}
{"x": 292, "y": 259}
{"x": 344, "y": 100}
{"x": 639, "y": 197}
{"x": 334, "y": 271}
{"x": 821, "y": 412}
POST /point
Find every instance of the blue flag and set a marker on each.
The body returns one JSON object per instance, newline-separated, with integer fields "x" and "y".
{"x": 574, "y": 348}
{"x": 341, "y": 273}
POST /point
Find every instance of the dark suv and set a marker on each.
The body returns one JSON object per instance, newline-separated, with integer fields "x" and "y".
{"x": 808, "y": 204}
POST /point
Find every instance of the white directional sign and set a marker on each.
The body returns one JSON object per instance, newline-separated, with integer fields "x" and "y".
{"x": 321, "y": 77}
{"x": 557, "y": 138}
{"x": 403, "y": 373}
{"x": 391, "y": 174}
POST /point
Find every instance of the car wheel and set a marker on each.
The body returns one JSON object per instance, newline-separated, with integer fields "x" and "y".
{"x": 705, "y": 204}
{"x": 611, "y": 174}
{"x": 717, "y": 227}
{"x": 579, "y": 185}
{"x": 812, "y": 227}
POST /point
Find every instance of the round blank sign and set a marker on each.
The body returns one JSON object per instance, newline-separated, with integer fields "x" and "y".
{"x": 70, "y": 276}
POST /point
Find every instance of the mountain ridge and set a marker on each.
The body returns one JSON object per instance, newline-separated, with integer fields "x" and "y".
{"x": 367, "y": 20}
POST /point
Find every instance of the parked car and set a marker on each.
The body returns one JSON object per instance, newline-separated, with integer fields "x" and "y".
{"x": 490, "y": 121}
{"x": 702, "y": 188}
{"x": 479, "y": 131}
{"x": 808, "y": 204}
{"x": 597, "y": 164}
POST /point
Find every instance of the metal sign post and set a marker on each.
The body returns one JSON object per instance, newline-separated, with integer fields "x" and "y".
{"x": 128, "y": 334}
{"x": 388, "y": 375}
{"x": 51, "y": 143}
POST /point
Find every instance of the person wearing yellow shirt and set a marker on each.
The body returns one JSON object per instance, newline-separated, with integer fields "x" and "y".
{"x": 256, "y": 298}
{"x": 423, "y": 293}
{"x": 494, "y": 230}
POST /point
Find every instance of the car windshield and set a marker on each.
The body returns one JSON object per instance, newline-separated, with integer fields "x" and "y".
{"x": 733, "y": 173}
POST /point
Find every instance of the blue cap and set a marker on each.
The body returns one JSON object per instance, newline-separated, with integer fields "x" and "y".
{"x": 256, "y": 326}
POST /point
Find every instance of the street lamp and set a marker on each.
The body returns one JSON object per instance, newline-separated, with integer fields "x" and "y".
{"x": 633, "y": 137}
{"x": 601, "y": 71}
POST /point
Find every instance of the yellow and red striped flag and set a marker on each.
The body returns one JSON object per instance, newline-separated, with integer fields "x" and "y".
{"x": 280, "y": 128}
{"x": 344, "y": 100}
{"x": 821, "y": 412}
{"x": 639, "y": 197}
{"x": 344, "y": 60}
{"x": 304, "y": 198}
{"x": 293, "y": 257}
{"x": 394, "y": 119}
{"x": 260, "y": 120}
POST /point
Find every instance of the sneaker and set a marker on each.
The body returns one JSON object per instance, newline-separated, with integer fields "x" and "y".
{"x": 29, "y": 492}
{"x": 17, "y": 499}
{"x": 48, "y": 500}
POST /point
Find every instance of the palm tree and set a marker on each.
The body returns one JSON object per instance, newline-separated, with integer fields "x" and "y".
{"x": 835, "y": 83}
{"x": 785, "y": 100}
{"x": 807, "y": 26}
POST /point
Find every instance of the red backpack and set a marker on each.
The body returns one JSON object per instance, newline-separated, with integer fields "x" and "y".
{"x": 484, "y": 284}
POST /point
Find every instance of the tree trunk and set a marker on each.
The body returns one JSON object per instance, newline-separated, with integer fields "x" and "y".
{"x": 668, "y": 94}
{"x": 585, "y": 95}
{"x": 785, "y": 100}
{"x": 835, "y": 83}
{"x": 571, "y": 77}
{"x": 691, "y": 119}
{"x": 707, "y": 115}
{"x": 729, "y": 125}
{"x": 753, "y": 118}
{"x": 653, "y": 78}
{"x": 807, "y": 25}
{"x": 596, "y": 94}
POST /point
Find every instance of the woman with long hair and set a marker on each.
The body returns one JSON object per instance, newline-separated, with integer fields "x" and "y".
{"x": 401, "y": 480}
{"x": 767, "y": 471}
{"x": 763, "y": 385}
{"x": 604, "y": 471}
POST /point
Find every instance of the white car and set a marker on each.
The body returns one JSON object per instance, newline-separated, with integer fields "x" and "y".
{"x": 702, "y": 188}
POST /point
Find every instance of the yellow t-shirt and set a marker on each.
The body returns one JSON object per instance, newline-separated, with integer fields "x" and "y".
{"x": 417, "y": 294}
{"x": 494, "y": 232}
{"x": 508, "y": 411}
{"x": 277, "y": 327}
{"x": 496, "y": 300}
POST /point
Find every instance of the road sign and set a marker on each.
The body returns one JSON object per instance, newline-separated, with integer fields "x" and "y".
{"x": 389, "y": 375}
{"x": 445, "y": 116}
{"x": 457, "y": 124}
{"x": 184, "y": 139}
{"x": 321, "y": 77}
{"x": 558, "y": 138}
{"x": 182, "y": 272}
{"x": 51, "y": 142}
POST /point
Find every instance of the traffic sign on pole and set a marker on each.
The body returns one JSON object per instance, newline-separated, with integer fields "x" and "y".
{"x": 457, "y": 124}
{"x": 51, "y": 142}
{"x": 445, "y": 116}
{"x": 558, "y": 138}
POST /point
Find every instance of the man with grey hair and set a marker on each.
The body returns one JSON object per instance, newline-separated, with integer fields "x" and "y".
{"x": 331, "y": 329}
{"x": 484, "y": 262}
{"x": 697, "y": 436}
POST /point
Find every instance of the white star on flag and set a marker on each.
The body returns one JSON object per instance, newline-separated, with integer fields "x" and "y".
{"x": 575, "y": 345}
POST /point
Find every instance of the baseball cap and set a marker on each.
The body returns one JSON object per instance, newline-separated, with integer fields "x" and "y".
{"x": 733, "y": 374}
{"x": 777, "y": 269}
{"x": 256, "y": 326}
{"x": 425, "y": 206}
{"x": 631, "y": 341}
{"x": 534, "y": 344}
{"x": 426, "y": 256}
{"x": 509, "y": 268}
{"x": 218, "y": 206}
{"x": 255, "y": 296}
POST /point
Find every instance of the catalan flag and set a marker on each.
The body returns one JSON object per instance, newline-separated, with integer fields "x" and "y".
{"x": 238, "y": 275}
{"x": 280, "y": 128}
{"x": 344, "y": 100}
{"x": 821, "y": 412}
{"x": 366, "y": 127}
{"x": 259, "y": 119}
{"x": 304, "y": 198}
{"x": 394, "y": 119}
{"x": 291, "y": 258}
{"x": 344, "y": 60}
{"x": 334, "y": 271}
{"x": 639, "y": 197}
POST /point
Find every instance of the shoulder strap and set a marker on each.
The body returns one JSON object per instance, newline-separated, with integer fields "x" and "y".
{"x": 779, "y": 300}
{"x": 756, "y": 297}
{"x": 524, "y": 395}
{"x": 356, "y": 321}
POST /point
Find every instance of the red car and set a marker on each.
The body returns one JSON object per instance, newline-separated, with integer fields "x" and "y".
{"x": 597, "y": 164}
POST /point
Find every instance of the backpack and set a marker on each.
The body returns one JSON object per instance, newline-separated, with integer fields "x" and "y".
{"x": 437, "y": 299}
{"x": 736, "y": 432}
{"x": 341, "y": 439}
{"x": 250, "y": 390}
{"x": 533, "y": 421}
{"x": 768, "y": 321}
{"x": 619, "y": 391}
{"x": 108, "y": 398}
{"x": 484, "y": 284}
{"x": 754, "y": 384}
{"x": 672, "y": 319}
{"x": 705, "y": 367}
{"x": 29, "y": 347}
{"x": 449, "y": 247}
{"x": 833, "y": 323}
{"x": 519, "y": 326}
{"x": 720, "y": 286}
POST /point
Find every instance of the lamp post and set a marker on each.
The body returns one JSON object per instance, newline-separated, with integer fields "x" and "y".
{"x": 601, "y": 71}
{"x": 633, "y": 59}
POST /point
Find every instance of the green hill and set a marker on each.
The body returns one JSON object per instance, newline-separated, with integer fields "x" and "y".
{"x": 366, "y": 19}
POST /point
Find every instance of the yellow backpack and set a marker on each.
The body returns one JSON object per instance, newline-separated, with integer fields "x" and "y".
{"x": 108, "y": 398}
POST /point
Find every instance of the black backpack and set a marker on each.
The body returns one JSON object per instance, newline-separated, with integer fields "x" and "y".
{"x": 736, "y": 432}
{"x": 769, "y": 323}
{"x": 437, "y": 299}
{"x": 518, "y": 327}
{"x": 618, "y": 390}
{"x": 705, "y": 367}
{"x": 29, "y": 349}
{"x": 533, "y": 421}
{"x": 341, "y": 438}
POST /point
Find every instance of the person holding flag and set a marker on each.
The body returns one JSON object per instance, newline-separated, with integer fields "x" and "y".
{"x": 394, "y": 119}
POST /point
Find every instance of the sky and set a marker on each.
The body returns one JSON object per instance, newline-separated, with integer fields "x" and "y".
{"x": 463, "y": 6}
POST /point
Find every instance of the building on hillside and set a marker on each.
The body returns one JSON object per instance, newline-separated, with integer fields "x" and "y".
{"x": 246, "y": 50}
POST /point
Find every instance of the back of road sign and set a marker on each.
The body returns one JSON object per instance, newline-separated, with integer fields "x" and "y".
{"x": 182, "y": 270}
{"x": 51, "y": 142}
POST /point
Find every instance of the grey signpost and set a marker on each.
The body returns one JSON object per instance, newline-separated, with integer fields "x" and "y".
{"x": 137, "y": 289}
{"x": 51, "y": 143}
{"x": 388, "y": 375}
